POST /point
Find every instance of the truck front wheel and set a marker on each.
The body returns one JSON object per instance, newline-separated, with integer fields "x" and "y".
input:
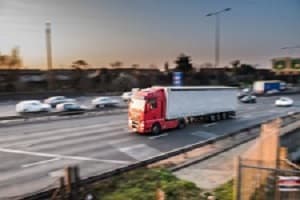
{"x": 156, "y": 129}
{"x": 181, "y": 124}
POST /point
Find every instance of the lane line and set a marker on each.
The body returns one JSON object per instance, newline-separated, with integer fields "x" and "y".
{"x": 57, "y": 131}
{"x": 158, "y": 136}
{"x": 28, "y": 142}
{"x": 210, "y": 124}
{"x": 39, "y": 162}
{"x": 30, "y": 153}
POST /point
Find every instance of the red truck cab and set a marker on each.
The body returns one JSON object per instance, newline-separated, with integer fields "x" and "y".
{"x": 147, "y": 112}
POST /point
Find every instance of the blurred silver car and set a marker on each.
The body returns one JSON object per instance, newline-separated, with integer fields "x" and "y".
{"x": 70, "y": 107}
{"x": 126, "y": 96}
{"x": 101, "y": 102}
{"x": 32, "y": 106}
{"x": 53, "y": 101}
{"x": 284, "y": 102}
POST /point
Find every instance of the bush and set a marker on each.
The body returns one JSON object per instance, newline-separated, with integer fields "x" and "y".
{"x": 142, "y": 184}
{"x": 225, "y": 191}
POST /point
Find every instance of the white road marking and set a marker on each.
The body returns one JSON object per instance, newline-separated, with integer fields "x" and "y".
{"x": 30, "y": 153}
{"x": 140, "y": 151}
{"x": 203, "y": 134}
{"x": 210, "y": 124}
{"x": 158, "y": 136}
{"x": 39, "y": 162}
{"x": 58, "y": 173}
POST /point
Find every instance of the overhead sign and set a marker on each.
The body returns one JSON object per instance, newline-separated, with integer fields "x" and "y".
{"x": 289, "y": 183}
{"x": 296, "y": 63}
{"x": 177, "y": 78}
{"x": 279, "y": 64}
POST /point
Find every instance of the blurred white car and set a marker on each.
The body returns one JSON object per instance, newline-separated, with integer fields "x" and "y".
{"x": 101, "y": 102}
{"x": 284, "y": 101}
{"x": 53, "y": 101}
{"x": 126, "y": 96}
{"x": 32, "y": 106}
{"x": 70, "y": 107}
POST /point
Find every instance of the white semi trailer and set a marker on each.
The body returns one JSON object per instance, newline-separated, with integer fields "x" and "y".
{"x": 158, "y": 108}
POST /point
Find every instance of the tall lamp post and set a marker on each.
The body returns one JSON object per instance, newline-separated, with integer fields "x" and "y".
{"x": 49, "y": 55}
{"x": 217, "y": 36}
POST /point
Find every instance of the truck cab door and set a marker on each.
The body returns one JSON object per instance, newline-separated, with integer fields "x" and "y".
{"x": 153, "y": 109}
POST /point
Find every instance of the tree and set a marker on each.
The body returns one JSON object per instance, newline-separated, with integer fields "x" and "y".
{"x": 183, "y": 63}
{"x": 79, "y": 66}
{"x": 116, "y": 64}
{"x": 206, "y": 65}
{"x": 246, "y": 69}
{"x": 166, "y": 67}
{"x": 235, "y": 64}
{"x": 135, "y": 65}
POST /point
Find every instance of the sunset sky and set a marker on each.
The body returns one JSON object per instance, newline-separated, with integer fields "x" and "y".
{"x": 149, "y": 31}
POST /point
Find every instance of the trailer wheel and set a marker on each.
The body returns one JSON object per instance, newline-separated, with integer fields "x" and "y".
{"x": 212, "y": 118}
{"x": 181, "y": 124}
{"x": 218, "y": 117}
{"x": 156, "y": 129}
{"x": 224, "y": 116}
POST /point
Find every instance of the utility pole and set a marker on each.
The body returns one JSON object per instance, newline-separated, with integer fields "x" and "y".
{"x": 217, "y": 36}
{"x": 49, "y": 55}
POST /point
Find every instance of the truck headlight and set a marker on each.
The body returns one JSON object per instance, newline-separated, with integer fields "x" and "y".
{"x": 142, "y": 124}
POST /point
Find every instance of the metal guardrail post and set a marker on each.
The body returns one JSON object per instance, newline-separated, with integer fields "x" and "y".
{"x": 237, "y": 195}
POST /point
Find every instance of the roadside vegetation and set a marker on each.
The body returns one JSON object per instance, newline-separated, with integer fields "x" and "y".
{"x": 143, "y": 184}
{"x": 225, "y": 191}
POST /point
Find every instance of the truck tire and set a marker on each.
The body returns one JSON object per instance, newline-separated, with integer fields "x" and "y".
{"x": 224, "y": 116}
{"x": 218, "y": 117}
{"x": 212, "y": 118}
{"x": 181, "y": 124}
{"x": 156, "y": 129}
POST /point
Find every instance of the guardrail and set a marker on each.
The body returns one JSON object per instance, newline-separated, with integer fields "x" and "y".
{"x": 287, "y": 119}
{"x": 59, "y": 115}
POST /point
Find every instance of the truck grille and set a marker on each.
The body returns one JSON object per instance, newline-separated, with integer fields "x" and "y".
{"x": 134, "y": 124}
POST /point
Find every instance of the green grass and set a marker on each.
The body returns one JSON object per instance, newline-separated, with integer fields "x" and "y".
{"x": 225, "y": 191}
{"x": 142, "y": 185}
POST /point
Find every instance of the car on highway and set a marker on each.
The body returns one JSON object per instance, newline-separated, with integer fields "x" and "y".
{"x": 101, "y": 102}
{"x": 284, "y": 102}
{"x": 248, "y": 99}
{"x": 53, "y": 101}
{"x": 244, "y": 92}
{"x": 70, "y": 107}
{"x": 126, "y": 96}
{"x": 32, "y": 106}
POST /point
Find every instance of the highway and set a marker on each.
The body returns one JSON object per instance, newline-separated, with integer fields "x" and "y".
{"x": 33, "y": 155}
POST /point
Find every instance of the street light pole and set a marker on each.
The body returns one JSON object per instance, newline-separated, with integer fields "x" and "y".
{"x": 217, "y": 36}
{"x": 49, "y": 55}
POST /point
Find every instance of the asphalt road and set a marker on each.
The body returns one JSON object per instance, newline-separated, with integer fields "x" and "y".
{"x": 33, "y": 155}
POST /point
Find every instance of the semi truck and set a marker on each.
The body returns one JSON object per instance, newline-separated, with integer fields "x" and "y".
{"x": 155, "y": 109}
{"x": 262, "y": 87}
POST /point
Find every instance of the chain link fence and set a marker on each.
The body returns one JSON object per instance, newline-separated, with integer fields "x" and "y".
{"x": 262, "y": 174}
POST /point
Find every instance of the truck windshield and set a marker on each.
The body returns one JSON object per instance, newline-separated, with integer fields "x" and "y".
{"x": 138, "y": 104}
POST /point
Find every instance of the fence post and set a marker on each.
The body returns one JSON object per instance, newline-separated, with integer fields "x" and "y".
{"x": 237, "y": 185}
{"x": 68, "y": 180}
{"x": 62, "y": 188}
{"x": 76, "y": 181}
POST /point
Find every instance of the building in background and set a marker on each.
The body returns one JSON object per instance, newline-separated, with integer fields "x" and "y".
{"x": 286, "y": 66}
{"x": 12, "y": 61}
